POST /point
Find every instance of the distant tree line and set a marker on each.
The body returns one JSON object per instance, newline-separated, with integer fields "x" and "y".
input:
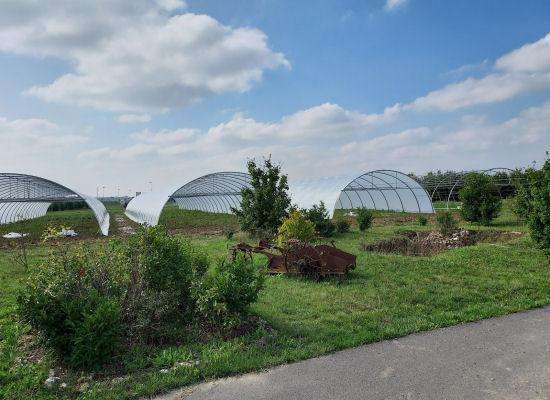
{"x": 443, "y": 185}
{"x": 68, "y": 205}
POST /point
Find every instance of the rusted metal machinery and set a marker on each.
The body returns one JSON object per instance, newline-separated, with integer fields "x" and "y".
{"x": 298, "y": 258}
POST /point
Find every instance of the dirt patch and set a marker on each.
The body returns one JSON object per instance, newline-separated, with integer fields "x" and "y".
{"x": 412, "y": 243}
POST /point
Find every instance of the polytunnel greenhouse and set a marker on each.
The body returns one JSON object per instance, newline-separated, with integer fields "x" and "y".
{"x": 220, "y": 192}
{"x": 217, "y": 192}
{"x": 24, "y": 197}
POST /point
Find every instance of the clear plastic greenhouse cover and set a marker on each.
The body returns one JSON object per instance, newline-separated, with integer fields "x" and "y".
{"x": 220, "y": 193}
{"x": 385, "y": 190}
{"x": 24, "y": 197}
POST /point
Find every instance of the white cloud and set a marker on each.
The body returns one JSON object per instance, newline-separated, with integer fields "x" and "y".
{"x": 133, "y": 118}
{"x": 493, "y": 88}
{"x": 394, "y": 4}
{"x": 521, "y": 71}
{"x": 532, "y": 57}
{"x": 133, "y": 56}
{"x": 347, "y": 142}
{"x": 35, "y": 144}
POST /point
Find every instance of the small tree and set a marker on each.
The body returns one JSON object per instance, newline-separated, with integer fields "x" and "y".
{"x": 480, "y": 198}
{"x": 533, "y": 204}
{"x": 265, "y": 204}
{"x": 365, "y": 217}
{"x": 446, "y": 222}
{"x": 318, "y": 214}
{"x": 296, "y": 226}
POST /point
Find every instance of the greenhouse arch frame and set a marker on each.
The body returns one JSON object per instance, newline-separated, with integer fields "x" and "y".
{"x": 24, "y": 197}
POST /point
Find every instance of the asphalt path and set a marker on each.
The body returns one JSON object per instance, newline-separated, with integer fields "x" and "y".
{"x": 499, "y": 358}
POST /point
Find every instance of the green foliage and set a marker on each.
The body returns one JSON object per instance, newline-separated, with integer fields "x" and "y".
{"x": 265, "y": 204}
{"x": 166, "y": 262}
{"x": 297, "y": 227}
{"x": 365, "y": 217}
{"x": 318, "y": 215}
{"x": 73, "y": 299}
{"x": 342, "y": 226}
{"x": 446, "y": 223}
{"x": 532, "y": 203}
{"x": 68, "y": 205}
{"x": 97, "y": 335}
{"x": 422, "y": 220}
{"x": 226, "y": 295}
{"x": 480, "y": 198}
{"x": 93, "y": 301}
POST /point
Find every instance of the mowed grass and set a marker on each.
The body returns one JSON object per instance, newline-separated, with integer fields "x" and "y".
{"x": 385, "y": 297}
{"x": 196, "y": 221}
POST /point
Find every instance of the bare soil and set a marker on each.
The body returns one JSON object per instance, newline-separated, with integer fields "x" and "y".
{"x": 427, "y": 243}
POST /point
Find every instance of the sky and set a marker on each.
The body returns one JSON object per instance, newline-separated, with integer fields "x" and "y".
{"x": 142, "y": 94}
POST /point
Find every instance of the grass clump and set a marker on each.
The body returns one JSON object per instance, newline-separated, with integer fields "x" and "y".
{"x": 422, "y": 220}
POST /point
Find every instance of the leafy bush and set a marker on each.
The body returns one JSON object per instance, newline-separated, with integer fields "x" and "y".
{"x": 342, "y": 226}
{"x": 422, "y": 220}
{"x": 227, "y": 293}
{"x": 365, "y": 217}
{"x": 480, "y": 198}
{"x": 446, "y": 223}
{"x": 93, "y": 301}
{"x": 296, "y": 226}
{"x": 74, "y": 300}
{"x": 264, "y": 205}
{"x": 533, "y": 204}
{"x": 318, "y": 215}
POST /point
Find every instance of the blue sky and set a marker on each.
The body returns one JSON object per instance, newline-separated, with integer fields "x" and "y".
{"x": 120, "y": 93}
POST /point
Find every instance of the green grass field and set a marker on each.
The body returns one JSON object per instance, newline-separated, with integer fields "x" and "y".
{"x": 387, "y": 296}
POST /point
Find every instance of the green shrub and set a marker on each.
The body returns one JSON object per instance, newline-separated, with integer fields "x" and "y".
{"x": 297, "y": 227}
{"x": 342, "y": 226}
{"x": 92, "y": 302}
{"x": 98, "y": 335}
{"x": 318, "y": 215}
{"x": 225, "y": 297}
{"x": 422, "y": 220}
{"x": 480, "y": 198}
{"x": 533, "y": 204}
{"x": 446, "y": 223}
{"x": 365, "y": 217}
{"x": 166, "y": 262}
{"x": 74, "y": 300}
{"x": 265, "y": 204}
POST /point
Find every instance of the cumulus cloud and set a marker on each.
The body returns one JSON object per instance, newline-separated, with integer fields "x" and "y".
{"x": 348, "y": 141}
{"x": 135, "y": 56}
{"x": 36, "y": 144}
